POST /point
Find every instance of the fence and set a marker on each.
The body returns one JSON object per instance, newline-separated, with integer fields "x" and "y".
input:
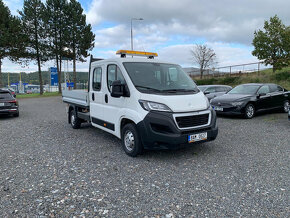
{"x": 231, "y": 70}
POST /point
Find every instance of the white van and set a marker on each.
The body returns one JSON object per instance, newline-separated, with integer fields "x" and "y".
{"x": 145, "y": 102}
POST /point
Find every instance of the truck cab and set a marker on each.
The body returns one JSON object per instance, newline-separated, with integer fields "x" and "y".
{"x": 145, "y": 102}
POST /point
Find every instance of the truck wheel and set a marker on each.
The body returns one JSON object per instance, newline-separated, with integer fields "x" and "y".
{"x": 74, "y": 120}
{"x": 131, "y": 140}
{"x": 249, "y": 111}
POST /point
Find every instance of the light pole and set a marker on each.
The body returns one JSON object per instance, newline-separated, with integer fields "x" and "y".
{"x": 132, "y": 31}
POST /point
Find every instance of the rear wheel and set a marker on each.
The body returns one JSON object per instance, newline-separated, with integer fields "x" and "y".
{"x": 286, "y": 106}
{"x": 249, "y": 111}
{"x": 131, "y": 142}
{"x": 74, "y": 120}
{"x": 16, "y": 115}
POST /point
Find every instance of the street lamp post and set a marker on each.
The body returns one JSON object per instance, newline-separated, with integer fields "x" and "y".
{"x": 132, "y": 30}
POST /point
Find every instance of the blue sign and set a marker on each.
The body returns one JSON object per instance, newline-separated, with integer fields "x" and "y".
{"x": 53, "y": 76}
{"x": 70, "y": 85}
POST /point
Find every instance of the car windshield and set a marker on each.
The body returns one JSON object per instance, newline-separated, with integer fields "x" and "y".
{"x": 159, "y": 78}
{"x": 244, "y": 89}
{"x": 202, "y": 88}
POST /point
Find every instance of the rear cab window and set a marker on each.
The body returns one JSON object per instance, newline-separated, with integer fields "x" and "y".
{"x": 5, "y": 96}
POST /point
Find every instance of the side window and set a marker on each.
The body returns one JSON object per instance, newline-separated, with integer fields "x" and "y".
{"x": 264, "y": 89}
{"x": 210, "y": 90}
{"x": 114, "y": 73}
{"x": 280, "y": 89}
{"x": 220, "y": 89}
{"x": 97, "y": 78}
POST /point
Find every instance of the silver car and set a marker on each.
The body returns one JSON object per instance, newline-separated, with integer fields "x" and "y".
{"x": 212, "y": 91}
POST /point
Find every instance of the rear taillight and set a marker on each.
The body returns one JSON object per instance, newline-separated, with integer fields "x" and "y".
{"x": 13, "y": 102}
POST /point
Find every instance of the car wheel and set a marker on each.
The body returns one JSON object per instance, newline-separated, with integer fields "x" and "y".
{"x": 74, "y": 120}
{"x": 131, "y": 142}
{"x": 286, "y": 106}
{"x": 16, "y": 115}
{"x": 249, "y": 111}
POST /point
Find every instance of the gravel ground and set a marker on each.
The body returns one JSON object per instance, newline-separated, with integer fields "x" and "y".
{"x": 49, "y": 169}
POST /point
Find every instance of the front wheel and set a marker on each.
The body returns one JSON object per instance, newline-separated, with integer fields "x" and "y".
{"x": 286, "y": 106}
{"x": 131, "y": 142}
{"x": 249, "y": 111}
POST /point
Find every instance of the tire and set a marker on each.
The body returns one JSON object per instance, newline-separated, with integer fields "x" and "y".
{"x": 250, "y": 111}
{"x": 131, "y": 142}
{"x": 16, "y": 115}
{"x": 286, "y": 106}
{"x": 74, "y": 120}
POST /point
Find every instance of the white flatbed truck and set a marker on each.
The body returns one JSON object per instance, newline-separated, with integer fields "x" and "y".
{"x": 145, "y": 102}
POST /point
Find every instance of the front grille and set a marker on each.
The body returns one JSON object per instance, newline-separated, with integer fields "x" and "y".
{"x": 192, "y": 121}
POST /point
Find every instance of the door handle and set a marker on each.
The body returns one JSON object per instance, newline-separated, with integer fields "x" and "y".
{"x": 106, "y": 98}
{"x": 93, "y": 96}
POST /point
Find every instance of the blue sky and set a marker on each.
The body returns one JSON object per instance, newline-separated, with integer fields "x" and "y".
{"x": 172, "y": 27}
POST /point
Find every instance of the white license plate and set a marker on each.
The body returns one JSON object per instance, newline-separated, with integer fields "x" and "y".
{"x": 218, "y": 108}
{"x": 2, "y": 104}
{"x": 197, "y": 137}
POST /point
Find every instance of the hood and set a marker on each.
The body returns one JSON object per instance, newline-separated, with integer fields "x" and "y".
{"x": 231, "y": 97}
{"x": 180, "y": 103}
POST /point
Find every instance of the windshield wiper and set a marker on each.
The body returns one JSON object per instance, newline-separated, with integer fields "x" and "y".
{"x": 180, "y": 90}
{"x": 149, "y": 88}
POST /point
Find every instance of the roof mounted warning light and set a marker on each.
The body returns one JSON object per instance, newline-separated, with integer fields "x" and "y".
{"x": 123, "y": 53}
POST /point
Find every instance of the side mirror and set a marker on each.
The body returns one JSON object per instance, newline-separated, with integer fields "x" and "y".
{"x": 261, "y": 94}
{"x": 206, "y": 92}
{"x": 117, "y": 89}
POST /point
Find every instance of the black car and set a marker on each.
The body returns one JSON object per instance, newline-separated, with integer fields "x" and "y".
{"x": 246, "y": 99}
{"x": 8, "y": 104}
{"x": 212, "y": 91}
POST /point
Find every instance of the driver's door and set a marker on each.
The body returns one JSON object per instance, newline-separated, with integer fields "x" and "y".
{"x": 264, "y": 98}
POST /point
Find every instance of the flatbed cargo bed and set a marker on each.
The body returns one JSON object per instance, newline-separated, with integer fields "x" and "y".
{"x": 76, "y": 97}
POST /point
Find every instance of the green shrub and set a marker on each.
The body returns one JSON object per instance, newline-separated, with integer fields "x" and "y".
{"x": 210, "y": 81}
{"x": 284, "y": 75}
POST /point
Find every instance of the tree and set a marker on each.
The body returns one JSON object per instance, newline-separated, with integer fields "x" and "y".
{"x": 33, "y": 25}
{"x": 204, "y": 57}
{"x": 272, "y": 44}
{"x": 56, "y": 23}
{"x": 79, "y": 35}
{"x": 12, "y": 39}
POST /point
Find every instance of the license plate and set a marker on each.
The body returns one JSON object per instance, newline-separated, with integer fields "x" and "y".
{"x": 197, "y": 137}
{"x": 2, "y": 104}
{"x": 218, "y": 108}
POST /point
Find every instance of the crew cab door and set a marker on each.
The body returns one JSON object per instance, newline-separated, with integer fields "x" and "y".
{"x": 96, "y": 94}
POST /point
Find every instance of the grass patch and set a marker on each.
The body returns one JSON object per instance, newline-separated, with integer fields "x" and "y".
{"x": 37, "y": 95}
{"x": 280, "y": 77}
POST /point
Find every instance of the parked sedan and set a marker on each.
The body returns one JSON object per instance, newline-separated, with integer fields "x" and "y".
{"x": 212, "y": 91}
{"x": 8, "y": 104}
{"x": 246, "y": 99}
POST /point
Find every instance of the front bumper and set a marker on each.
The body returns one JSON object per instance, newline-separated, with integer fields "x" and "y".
{"x": 159, "y": 131}
{"x": 230, "y": 110}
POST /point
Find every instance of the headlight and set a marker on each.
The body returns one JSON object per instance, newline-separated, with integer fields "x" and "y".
{"x": 239, "y": 103}
{"x": 149, "y": 105}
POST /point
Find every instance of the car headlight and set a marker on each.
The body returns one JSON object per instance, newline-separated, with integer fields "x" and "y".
{"x": 239, "y": 103}
{"x": 154, "y": 106}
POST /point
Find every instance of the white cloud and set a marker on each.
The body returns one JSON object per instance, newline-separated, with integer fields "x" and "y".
{"x": 223, "y": 20}
{"x": 226, "y": 54}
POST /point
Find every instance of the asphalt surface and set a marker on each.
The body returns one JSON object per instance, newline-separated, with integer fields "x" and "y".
{"x": 49, "y": 169}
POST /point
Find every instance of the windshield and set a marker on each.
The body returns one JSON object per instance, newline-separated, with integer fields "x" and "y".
{"x": 202, "y": 88}
{"x": 157, "y": 77}
{"x": 244, "y": 89}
